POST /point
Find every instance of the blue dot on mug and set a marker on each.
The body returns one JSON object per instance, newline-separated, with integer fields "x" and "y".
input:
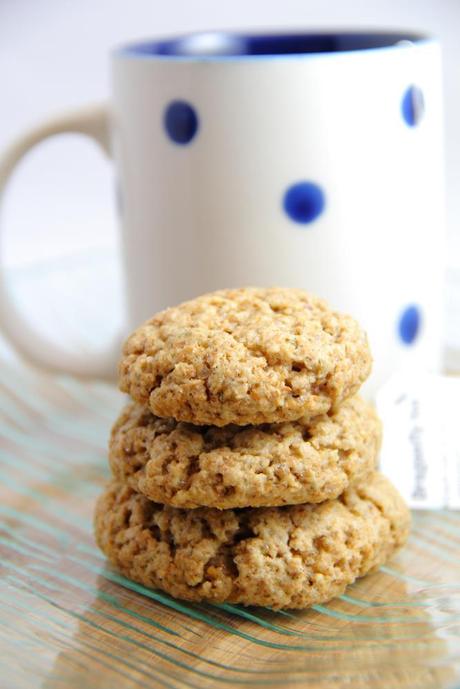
{"x": 180, "y": 121}
{"x": 413, "y": 106}
{"x": 409, "y": 324}
{"x": 303, "y": 202}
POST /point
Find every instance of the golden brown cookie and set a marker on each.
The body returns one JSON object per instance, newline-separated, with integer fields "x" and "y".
{"x": 245, "y": 356}
{"x": 245, "y": 466}
{"x": 281, "y": 557}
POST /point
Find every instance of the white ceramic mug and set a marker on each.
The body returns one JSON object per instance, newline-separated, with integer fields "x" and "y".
{"x": 308, "y": 160}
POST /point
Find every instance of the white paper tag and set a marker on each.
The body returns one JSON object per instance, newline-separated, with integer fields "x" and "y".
{"x": 421, "y": 438}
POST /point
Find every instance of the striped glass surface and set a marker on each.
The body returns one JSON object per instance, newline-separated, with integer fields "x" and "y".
{"x": 68, "y": 620}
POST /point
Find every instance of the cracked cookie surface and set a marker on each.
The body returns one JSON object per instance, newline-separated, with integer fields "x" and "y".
{"x": 280, "y": 557}
{"x": 245, "y": 356}
{"x": 251, "y": 466}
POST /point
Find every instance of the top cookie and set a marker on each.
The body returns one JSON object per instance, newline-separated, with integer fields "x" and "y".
{"x": 245, "y": 356}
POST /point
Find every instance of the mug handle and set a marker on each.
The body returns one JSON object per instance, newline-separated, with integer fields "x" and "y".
{"x": 93, "y": 121}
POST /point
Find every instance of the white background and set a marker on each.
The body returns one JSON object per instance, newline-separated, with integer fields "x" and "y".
{"x": 54, "y": 56}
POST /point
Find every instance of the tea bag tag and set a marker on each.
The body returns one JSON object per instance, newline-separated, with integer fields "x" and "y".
{"x": 421, "y": 438}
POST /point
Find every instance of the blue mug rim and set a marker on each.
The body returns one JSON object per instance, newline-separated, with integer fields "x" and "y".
{"x": 232, "y": 45}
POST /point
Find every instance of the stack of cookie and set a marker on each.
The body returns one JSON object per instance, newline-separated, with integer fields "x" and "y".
{"x": 245, "y": 469}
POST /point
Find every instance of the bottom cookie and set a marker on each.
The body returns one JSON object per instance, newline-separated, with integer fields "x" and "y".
{"x": 280, "y": 557}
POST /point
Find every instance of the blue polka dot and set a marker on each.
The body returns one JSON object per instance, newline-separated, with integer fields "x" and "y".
{"x": 409, "y": 324}
{"x": 413, "y": 106}
{"x": 181, "y": 121}
{"x": 304, "y": 202}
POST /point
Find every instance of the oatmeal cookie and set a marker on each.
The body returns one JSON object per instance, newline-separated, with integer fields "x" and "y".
{"x": 281, "y": 557}
{"x": 244, "y": 466}
{"x": 245, "y": 356}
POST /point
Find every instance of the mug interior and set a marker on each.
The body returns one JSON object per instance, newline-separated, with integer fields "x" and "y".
{"x": 216, "y": 44}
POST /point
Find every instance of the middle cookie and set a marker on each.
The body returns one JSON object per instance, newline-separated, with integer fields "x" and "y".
{"x": 289, "y": 463}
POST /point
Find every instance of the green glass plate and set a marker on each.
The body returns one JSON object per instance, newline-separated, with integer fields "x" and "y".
{"x": 68, "y": 620}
